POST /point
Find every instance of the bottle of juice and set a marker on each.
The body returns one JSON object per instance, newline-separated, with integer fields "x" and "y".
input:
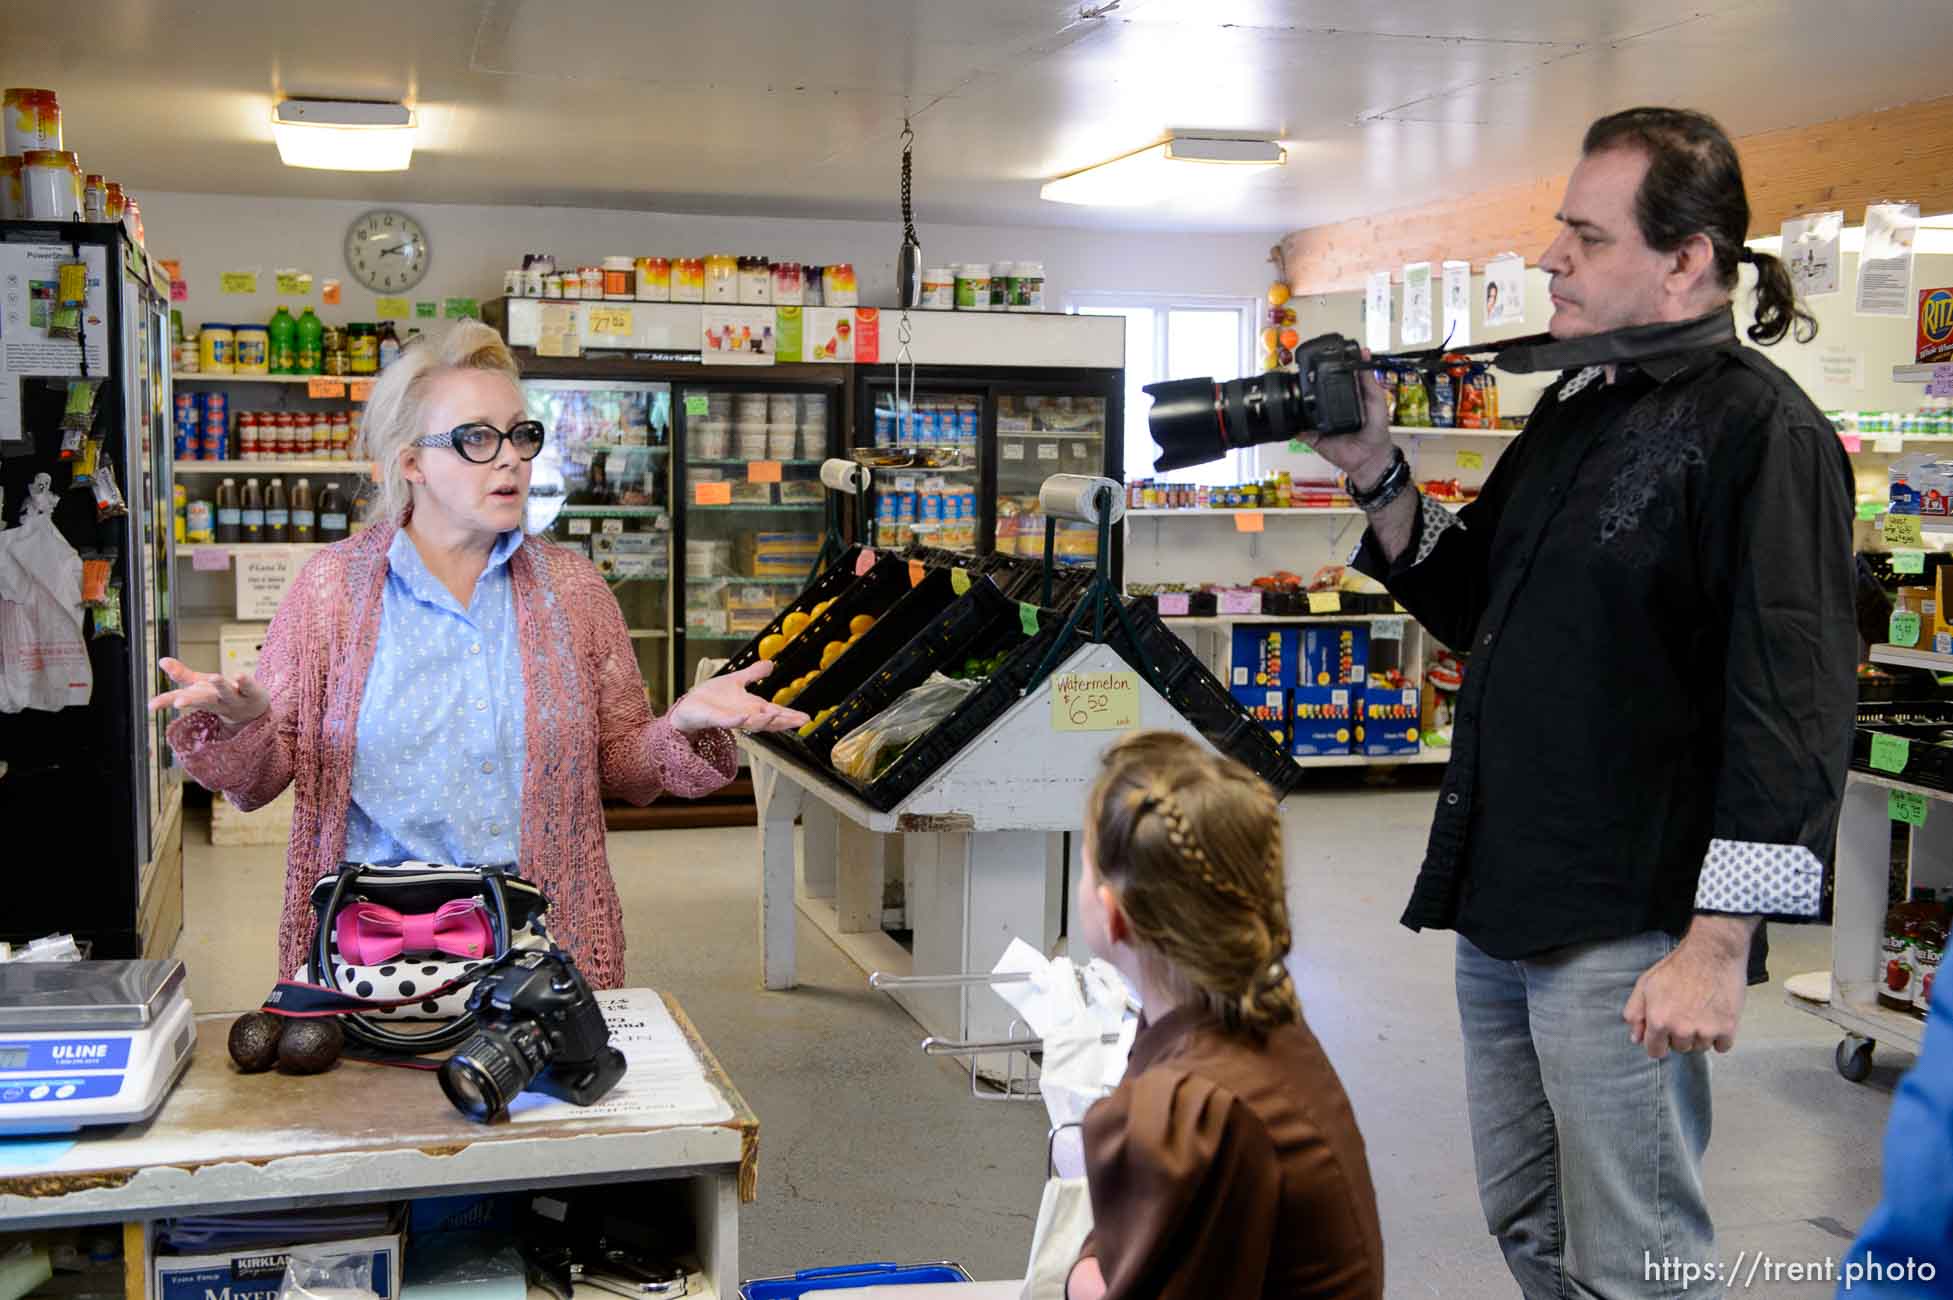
{"x": 229, "y": 519}
{"x": 311, "y": 344}
{"x": 1898, "y": 985}
{"x": 332, "y": 514}
{"x": 284, "y": 342}
{"x": 304, "y": 520}
{"x": 277, "y": 513}
{"x": 251, "y": 516}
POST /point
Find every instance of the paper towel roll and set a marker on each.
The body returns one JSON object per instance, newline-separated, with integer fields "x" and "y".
{"x": 1075, "y": 496}
{"x": 845, "y": 476}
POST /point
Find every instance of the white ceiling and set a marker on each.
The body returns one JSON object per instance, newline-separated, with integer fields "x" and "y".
{"x": 793, "y": 107}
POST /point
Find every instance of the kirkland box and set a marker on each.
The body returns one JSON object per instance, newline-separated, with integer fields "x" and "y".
{"x": 1387, "y": 721}
{"x": 255, "y": 1272}
{"x": 1320, "y": 721}
{"x": 1268, "y": 706}
{"x": 1334, "y": 654}
{"x": 1264, "y": 657}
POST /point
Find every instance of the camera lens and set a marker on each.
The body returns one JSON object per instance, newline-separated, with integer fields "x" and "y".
{"x": 487, "y": 1072}
{"x": 1188, "y": 422}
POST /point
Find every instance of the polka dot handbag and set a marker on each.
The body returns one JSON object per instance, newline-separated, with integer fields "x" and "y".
{"x": 416, "y": 930}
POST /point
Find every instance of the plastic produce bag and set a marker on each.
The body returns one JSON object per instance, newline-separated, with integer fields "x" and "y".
{"x": 324, "y": 1273}
{"x": 872, "y": 748}
{"x": 43, "y": 659}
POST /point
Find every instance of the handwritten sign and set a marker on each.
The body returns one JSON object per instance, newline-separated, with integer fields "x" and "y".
{"x": 917, "y": 573}
{"x": 1471, "y": 460}
{"x": 295, "y": 282}
{"x": 1908, "y": 561}
{"x": 712, "y": 494}
{"x": 325, "y": 388}
{"x": 360, "y": 389}
{"x": 239, "y": 281}
{"x": 1941, "y": 384}
{"x": 959, "y": 581}
{"x": 864, "y": 561}
{"x": 610, "y": 320}
{"x": 1027, "y": 618}
{"x": 262, "y": 580}
{"x": 1904, "y": 628}
{"x": 1174, "y": 604}
{"x": 763, "y": 471}
{"x": 461, "y": 309}
{"x": 1325, "y": 602}
{"x": 210, "y": 559}
{"x": 1094, "y": 701}
{"x": 1908, "y": 806}
{"x": 1889, "y": 753}
{"x": 697, "y": 404}
{"x": 1249, "y": 521}
{"x": 392, "y": 308}
{"x": 1903, "y": 530}
{"x": 1239, "y": 602}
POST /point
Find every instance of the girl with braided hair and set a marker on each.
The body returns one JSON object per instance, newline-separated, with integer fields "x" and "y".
{"x": 1228, "y": 1161}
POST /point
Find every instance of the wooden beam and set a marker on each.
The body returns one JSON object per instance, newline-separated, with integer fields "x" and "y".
{"x": 1895, "y": 153}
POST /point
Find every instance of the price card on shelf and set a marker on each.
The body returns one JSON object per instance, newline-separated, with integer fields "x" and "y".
{"x": 360, "y": 389}
{"x": 325, "y": 388}
{"x": 1908, "y": 806}
{"x": 959, "y": 580}
{"x": 1047, "y": 451}
{"x": 917, "y": 573}
{"x": 1174, "y": 604}
{"x": 712, "y": 494}
{"x": 1904, "y": 628}
{"x": 579, "y": 528}
{"x": 461, "y": 309}
{"x": 1013, "y": 451}
{"x": 697, "y": 404}
{"x": 763, "y": 471}
{"x": 610, "y": 320}
{"x": 1943, "y": 643}
{"x": 1908, "y": 561}
{"x": 1325, "y": 602}
{"x": 1239, "y": 602}
{"x": 393, "y": 308}
{"x": 210, "y": 559}
{"x": 1470, "y": 460}
{"x": 1941, "y": 384}
{"x": 1889, "y": 753}
{"x": 1903, "y": 530}
{"x": 1387, "y": 629}
{"x": 1027, "y": 618}
{"x": 1249, "y": 521}
{"x": 613, "y": 527}
{"x": 1094, "y": 701}
{"x": 426, "y": 310}
{"x": 1888, "y": 444}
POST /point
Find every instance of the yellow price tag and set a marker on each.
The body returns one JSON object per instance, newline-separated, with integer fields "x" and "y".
{"x": 1903, "y": 530}
{"x": 1094, "y": 701}
{"x": 1470, "y": 460}
{"x": 1325, "y": 602}
{"x": 240, "y": 281}
{"x": 393, "y": 309}
{"x": 959, "y": 581}
{"x": 610, "y": 320}
{"x": 294, "y": 282}
{"x": 325, "y": 388}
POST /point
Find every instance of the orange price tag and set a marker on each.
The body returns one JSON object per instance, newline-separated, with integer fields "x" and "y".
{"x": 326, "y": 388}
{"x": 361, "y": 389}
{"x": 763, "y": 471}
{"x": 712, "y": 494}
{"x": 916, "y": 573}
{"x": 1249, "y": 521}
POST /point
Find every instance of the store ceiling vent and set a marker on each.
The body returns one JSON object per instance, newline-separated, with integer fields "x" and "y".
{"x": 1181, "y": 166}
{"x": 344, "y": 135}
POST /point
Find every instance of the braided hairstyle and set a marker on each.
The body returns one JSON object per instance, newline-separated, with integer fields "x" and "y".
{"x": 1192, "y": 844}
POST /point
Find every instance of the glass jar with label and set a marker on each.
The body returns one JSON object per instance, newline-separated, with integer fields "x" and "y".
{"x": 362, "y": 349}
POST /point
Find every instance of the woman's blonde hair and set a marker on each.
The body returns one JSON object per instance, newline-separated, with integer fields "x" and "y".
{"x": 1192, "y": 844}
{"x": 398, "y": 403}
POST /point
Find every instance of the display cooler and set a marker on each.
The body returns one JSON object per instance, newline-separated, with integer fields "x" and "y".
{"x": 90, "y": 794}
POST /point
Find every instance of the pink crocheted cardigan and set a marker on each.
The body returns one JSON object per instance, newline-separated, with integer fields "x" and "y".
{"x": 589, "y": 733}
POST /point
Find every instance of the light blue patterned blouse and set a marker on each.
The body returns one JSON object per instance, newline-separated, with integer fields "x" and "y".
{"x": 438, "y": 753}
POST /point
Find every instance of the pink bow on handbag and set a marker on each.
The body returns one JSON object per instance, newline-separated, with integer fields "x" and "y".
{"x": 370, "y": 934}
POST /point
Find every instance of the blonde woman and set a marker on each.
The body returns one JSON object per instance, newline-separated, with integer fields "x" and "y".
{"x": 1228, "y": 1162}
{"x": 441, "y": 687}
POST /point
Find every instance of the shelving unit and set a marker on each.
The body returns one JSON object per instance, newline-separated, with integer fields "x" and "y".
{"x": 1229, "y": 512}
{"x": 1909, "y": 657}
{"x": 199, "y": 377}
{"x": 810, "y": 507}
{"x": 1425, "y": 431}
{"x": 610, "y": 512}
{"x": 1230, "y": 620}
{"x": 274, "y": 467}
{"x": 1916, "y": 374}
{"x": 1423, "y": 756}
{"x": 186, "y": 553}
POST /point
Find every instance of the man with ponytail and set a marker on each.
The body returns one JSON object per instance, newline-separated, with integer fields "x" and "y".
{"x": 1656, "y": 591}
{"x": 1227, "y": 1163}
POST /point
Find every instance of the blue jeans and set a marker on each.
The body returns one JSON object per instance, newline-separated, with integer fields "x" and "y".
{"x": 1589, "y": 1154}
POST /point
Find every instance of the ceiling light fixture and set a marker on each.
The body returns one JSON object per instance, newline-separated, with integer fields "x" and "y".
{"x": 344, "y": 135}
{"x": 1166, "y": 170}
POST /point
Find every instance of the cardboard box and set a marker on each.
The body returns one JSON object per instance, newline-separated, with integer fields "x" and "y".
{"x": 238, "y": 645}
{"x": 1935, "y": 327}
{"x": 1268, "y": 706}
{"x": 1387, "y": 721}
{"x": 1264, "y": 657}
{"x": 254, "y": 1273}
{"x": 1938, "y": 611}
{"x": 1334, "y": 654}
{"x": 1320, "y": 721}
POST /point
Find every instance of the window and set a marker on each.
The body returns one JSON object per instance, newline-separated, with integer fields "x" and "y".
{"x": 1182, "y": 337}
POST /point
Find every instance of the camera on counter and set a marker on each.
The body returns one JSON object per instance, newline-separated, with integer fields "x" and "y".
{"x": 538, "y": 1026}
{"x": 1197, "y": 420}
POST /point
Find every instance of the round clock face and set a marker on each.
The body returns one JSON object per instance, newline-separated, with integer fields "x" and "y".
{"x": 387, "y": 251}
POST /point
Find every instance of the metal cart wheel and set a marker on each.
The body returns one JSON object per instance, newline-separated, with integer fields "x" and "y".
{"x": 1855, "y": 1057}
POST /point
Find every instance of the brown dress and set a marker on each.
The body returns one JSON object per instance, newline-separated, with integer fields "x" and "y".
{"x": 1223, "y": 1167}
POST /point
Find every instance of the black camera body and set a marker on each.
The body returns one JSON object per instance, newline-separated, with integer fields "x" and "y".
{"x": 538, "y": 1026}
{"x": 1197, "y": 420}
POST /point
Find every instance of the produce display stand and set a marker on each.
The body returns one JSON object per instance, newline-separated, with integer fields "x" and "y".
{"x": 225, "y": 1142}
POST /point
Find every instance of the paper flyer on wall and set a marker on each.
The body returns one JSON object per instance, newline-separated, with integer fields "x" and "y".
{"x": 29, "y": 274}
{"x": 1505, "y": 290}
{"x": 1376, "y": 312}
{"x": 663, "y": 1082}
{"x": 1812, "y": 252}
{"x": 738, "y": 336}
{"x": 1885, "y": 265}
{"x": 1417, "y": 302}
{"x": 1457, "y": 304}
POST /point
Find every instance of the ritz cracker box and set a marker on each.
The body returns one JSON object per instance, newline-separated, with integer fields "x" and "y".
{"x": 1935, "y": 327}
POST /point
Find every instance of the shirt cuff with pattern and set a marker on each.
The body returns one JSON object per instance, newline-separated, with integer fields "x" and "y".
{"x": 1745, "y": 878}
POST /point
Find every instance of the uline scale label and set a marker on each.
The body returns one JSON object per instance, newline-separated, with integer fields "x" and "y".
{"x": 64, "y": 1054}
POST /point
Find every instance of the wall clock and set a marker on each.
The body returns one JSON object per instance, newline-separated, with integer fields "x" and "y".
{"x": 387, "y": 251}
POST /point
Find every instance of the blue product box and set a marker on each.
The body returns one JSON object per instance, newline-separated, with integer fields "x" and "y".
{"x": 966, "y": 422}
{"x": 1387, "y": 721}
{"x": 494, "y": 1212}
{"x": 257, "y": 1272}
{"x": 1320, "y": 720}
{"x": 1334, "y": 654}
{"x": 1264, "y": 656}
{"x": 1268, "y": 706}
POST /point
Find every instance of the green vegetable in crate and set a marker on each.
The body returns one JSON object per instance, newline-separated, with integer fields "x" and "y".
{"x": 868, "y": 751}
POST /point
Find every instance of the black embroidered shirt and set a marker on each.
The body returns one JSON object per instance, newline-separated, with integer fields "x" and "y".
{"x": 1655, "y": 589}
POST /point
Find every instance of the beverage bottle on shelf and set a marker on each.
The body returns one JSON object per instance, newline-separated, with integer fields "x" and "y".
{"x": 305, "y": 526}
{"x": 1898, "y": 982}
{"x": 284, "y": 341}
{"x": 311, "y": 344}
{"x": 332, "y": 514}
{"x": 229, "y": 520}
{"x": 1928, "y": 947}
{"x": 251, "y": 517}
{"x": 277, "y": 513}
{"x": 389, "y": 344}
{"x": 362, "y": 504}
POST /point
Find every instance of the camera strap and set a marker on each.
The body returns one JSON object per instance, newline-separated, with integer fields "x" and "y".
{"x": 1542, "y": 352}
{"x": 300, "y": 1001}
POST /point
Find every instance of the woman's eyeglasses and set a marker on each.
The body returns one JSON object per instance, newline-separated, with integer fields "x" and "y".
{"x": 481, "y": 442}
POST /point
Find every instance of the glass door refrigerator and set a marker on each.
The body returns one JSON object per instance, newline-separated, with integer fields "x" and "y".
{"x": 960, "y": 465}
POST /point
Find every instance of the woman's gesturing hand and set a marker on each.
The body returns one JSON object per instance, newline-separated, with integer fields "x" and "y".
{"x": 725, "y": 702}
{"x": 235, "y": 700}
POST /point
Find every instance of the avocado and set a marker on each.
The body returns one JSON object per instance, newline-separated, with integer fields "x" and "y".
{"x": 310, "y": 1046}
{"x": 254, "y": 1040}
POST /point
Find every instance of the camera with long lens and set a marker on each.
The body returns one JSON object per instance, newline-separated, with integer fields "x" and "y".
{"x": 537, "y": 1026}
{"x": 1197, "y": 420}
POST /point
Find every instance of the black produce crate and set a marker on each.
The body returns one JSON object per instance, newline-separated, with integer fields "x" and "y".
{"x": 831, "y": 582}
{"x": 1203, "y": 604}
{"x": 1284, "y": 603}
{"x": 839, "y": 685}
{"x": 1928, "y": 763}
{"x": 871, "y": 593}
{"x": 1369, "y": 602}
{"x": 1914, "y": 712}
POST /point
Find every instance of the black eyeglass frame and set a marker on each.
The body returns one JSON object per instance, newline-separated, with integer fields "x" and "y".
{"x": 513, "y": 434}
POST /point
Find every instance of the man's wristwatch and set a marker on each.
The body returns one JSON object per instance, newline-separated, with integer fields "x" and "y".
{"x": 1387, "y": 489}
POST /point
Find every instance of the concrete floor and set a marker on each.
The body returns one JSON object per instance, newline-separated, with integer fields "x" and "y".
{"x": 870, "y": 1151}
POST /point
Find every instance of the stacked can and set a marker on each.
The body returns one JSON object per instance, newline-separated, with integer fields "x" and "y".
{"x": 216, "y": 427}
{"x": 189, "y": 430}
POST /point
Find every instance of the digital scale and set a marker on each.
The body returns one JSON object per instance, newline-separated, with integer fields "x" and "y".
{"x": 89, "y": 1042}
